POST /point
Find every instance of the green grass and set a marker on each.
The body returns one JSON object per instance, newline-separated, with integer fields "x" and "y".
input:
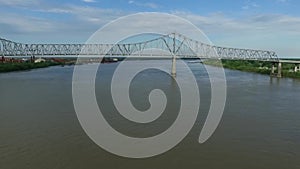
{"x": 254, "y": 66}
{"x": 291, "y": 74}
{"x": 10, "y": 67}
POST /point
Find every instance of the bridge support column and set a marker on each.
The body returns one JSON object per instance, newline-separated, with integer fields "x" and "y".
{"x": 297, "y": 68}
{"x": 279, "y": 69}
{"x": 273, "y": 69}
{"x": 173, "y": 71}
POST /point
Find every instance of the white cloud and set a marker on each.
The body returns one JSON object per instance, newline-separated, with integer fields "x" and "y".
{"x": 147, "y": 4}
{"x": 15, "y": 3}
{"x": 219, "y": 22}
{"x": 277, "y": 32}
{"x": 250, "y": 5}
{"x": 89, "y": 1}
{"x": 92, "y": 15}
{"x": 18, "y": 24}
{"x": 282, "y": 1}
{"x": 82, "y": 21}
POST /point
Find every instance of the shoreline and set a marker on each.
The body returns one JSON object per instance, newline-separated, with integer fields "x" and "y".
{"x": 252, "y": 66}
{"x": 27, "y": 66}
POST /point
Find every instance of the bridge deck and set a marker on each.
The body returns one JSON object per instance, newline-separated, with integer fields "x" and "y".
{"x": 290, "y": 61}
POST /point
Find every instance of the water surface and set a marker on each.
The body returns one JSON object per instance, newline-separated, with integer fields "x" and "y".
{"x": 260, "y": 127}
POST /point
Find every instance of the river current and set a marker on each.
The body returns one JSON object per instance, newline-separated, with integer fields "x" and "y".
{"x": 39, "y": 129}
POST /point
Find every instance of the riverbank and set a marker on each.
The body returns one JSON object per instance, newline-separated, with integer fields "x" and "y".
{"x": 11, "y": 67}
{"x": 254, "y": 66}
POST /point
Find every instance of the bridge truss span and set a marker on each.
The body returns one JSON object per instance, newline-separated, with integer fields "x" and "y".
{"x": 177, "y": 44}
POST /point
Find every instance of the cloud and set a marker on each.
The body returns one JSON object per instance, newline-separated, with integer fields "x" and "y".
{"x": 82, "y": 21}
{"x": 25, "y": 24}
{"x": 218, "y": 22}
{"x": 147, "y": 4}
{"x": 88, "y": 14}
{"x": 89, "y": 1}
{"x": 277, "y": 32}
{"x": 282, "y": 1}
{"x": 250, "y": 5}
{"x": 15, "y": 3}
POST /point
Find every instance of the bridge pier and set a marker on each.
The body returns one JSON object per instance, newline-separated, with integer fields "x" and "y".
{"x": 173, "y": 71}
{"x": 297, "y": 68}
{"x": 279, "y": 69}
{"x": 273, "y": 69}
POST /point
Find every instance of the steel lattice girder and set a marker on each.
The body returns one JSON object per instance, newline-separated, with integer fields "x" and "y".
{"x": 175, "y": 43}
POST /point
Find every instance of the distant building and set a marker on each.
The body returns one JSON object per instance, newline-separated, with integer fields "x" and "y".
{"x": 39, "y": 60}
{"x": 24, "y": 60}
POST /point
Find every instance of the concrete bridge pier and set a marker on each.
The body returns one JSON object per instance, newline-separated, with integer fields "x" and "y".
{"x": 273, "y": 69}
{"x": 297, "y": 68}
{"x": 173, "y": 71}
{"x": 279, "y": 69}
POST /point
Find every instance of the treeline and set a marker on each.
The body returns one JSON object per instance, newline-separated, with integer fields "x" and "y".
{"x": 9, "y": 67}
{"x": 254, "y": 66}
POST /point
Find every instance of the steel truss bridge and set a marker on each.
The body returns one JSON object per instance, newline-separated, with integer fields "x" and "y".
{"x": 176, "y": 44}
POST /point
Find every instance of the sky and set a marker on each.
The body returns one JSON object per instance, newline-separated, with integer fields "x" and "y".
{"x": 257, "y": 24}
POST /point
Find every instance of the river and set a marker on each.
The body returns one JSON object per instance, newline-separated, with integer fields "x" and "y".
{"x": 39, "y": 129}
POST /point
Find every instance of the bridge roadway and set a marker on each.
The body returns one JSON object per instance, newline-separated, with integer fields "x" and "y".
{"x": 289, "y": 61}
